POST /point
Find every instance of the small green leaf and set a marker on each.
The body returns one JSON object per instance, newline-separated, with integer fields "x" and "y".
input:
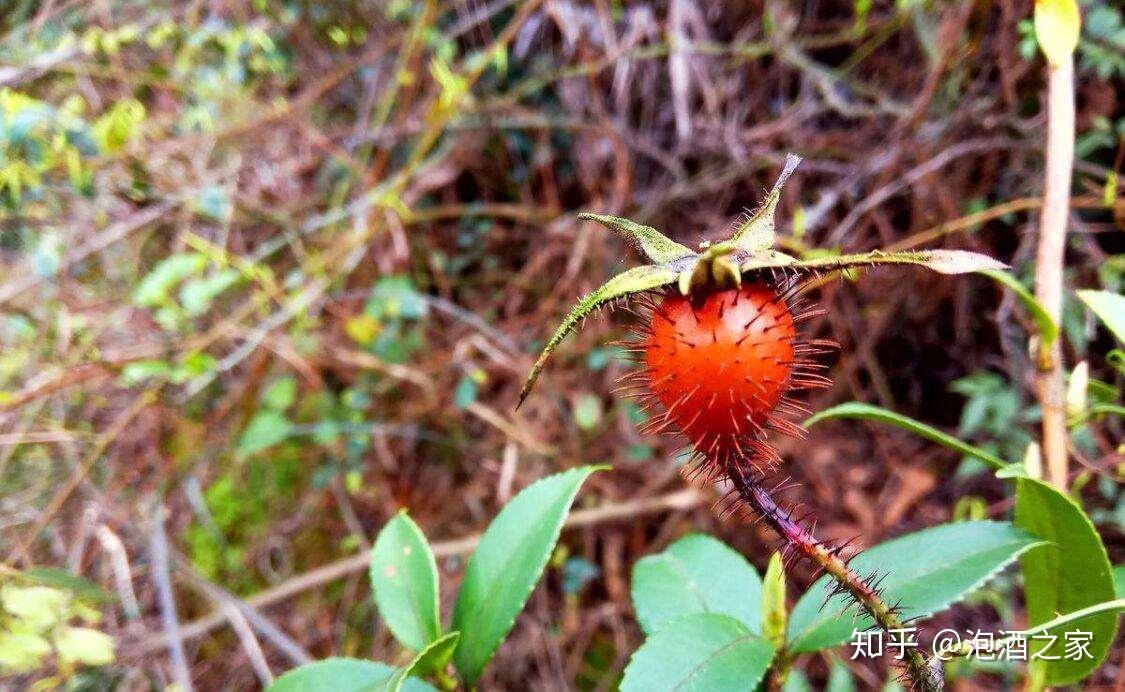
{"x": 1057, "y": 25}
{"x": 404, "y": 578}
{"x": 588, "y": 412}
{"x": 1048, "y": 329}
{"x": 343, "y": 675}
{"x": 709, "y": 652}
{"x": 430, "y": 659}
{"x": 654, "y": 244}
{"x": 281, "y": 394}
{"x": 1109, "y": 307}
{"x": 507, "y": 564}
{"x": 635, "y": 280}
{"x": 756, "y": 233}
{"x": 22, "y": 652}
{"x": 926, "y": 571}
{"x": 796, "y": 682}
{"x": 265, "y": 429}
{"x": 1071, "y": 573}
{"x": 84, "y": 645}
{"x": 862, "y": 411}
{"x": 774, "y": 614}
{"x": 696, "y": 574}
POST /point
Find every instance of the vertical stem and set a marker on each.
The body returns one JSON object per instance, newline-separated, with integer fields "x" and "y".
{"x": 802, "y": 540}
{"x": 1049, "y": 261}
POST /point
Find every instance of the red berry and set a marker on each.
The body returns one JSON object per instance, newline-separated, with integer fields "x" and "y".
{"x": 720, "y": 364}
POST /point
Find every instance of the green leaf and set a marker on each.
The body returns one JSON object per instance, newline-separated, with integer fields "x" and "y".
{"x": 654, "y": 244}
{"x": 756, "y": 233}
{"x": 281, "y": 394}
{"x": 709, "y": 652}
{"x": 395, "y": 297}
{"x": 1119, "y": 580}
{"x": 635, "y": 280}
{"x": 430, "y": 659}
{"x": 22, "y": 651}
{"x": 1057, "y": 25}
{"x": 1048, "y": 329}
{"x": 84, "y": 645}
{"x": 1110, "y": 309}
{"x": 76, "y": 584}
{"x": 343, "y": 675}
{"x": 696, "y": 574}
{"x": 941, "y": 261}
{"x": 796, "y": 682}
{"x": 1068, "y": 575}
{"x": 404, "y": 578}
{"x": 154, "y": 288}
{"x": 862, "y": 411}
{"x": 506, "y": 565}
{"x": 267, "y": 428}
{"x": 775, "y": 616}
{"x": 588, "y": 412}
{"x": 926, "y": 572}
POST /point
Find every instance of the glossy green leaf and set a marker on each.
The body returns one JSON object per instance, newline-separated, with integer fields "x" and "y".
{"x": 941, "y": 261}
{"x": 862, "y": 411}
{"x": 925, "y": 572}
{"x": 1110, "y": 309}
{"x": 708, "y": 652}
{"x": 506, "y": 565}
{"x": 696, "y": 574}
{"x": 654, "y": 244}
{"x": 404, "y": 578}
{"x": 1071, "y": 573}
{"x": 343, "y": 675}
{"x": 757, "y": 233}
{"x": 1048, "y": 328}
{"x": 635, "y": 280}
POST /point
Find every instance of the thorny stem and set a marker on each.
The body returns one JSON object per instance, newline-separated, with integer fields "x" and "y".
{"x": 799, "y": 538}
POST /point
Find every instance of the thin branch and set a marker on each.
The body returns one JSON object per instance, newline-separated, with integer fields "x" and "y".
{"x": 798, "y": 537}
{"x": 1049, "y": 262}
{"x": 158, "y": 552}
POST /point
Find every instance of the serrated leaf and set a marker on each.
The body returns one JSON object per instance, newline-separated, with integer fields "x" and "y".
{"x": 862, "y": 411}
{"x": 635, "y": 280}
{"x": 926, "y": 571}
{"x": 1110, "y": 309}
{"x": 941, "y": 261}
{"x": 1071, "y": 573}
{"x": 1048, "y": 328}
{"x": 1057, "y": 25}
{"x": 696, "y": 574}
{"x": 757, "y": 233}
{"x": 404, "y": 579}
{"x": 708, "y": 652}
{"x": 507, "y": 564}
{"x": 655, "y": 245}
{"x": 343, "y": 675}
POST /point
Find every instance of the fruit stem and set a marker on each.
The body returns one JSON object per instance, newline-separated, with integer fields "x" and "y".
{"x": 801, "y": 539}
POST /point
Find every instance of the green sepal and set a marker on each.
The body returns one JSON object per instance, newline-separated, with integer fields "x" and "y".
{"x": 635, "y": 280}
{"x": 757, "y": 234}
{"x": 941, "y": 261}
{"x": 655, "y": 245}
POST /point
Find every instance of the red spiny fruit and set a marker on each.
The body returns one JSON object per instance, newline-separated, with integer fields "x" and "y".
{"x": 721, "y": 364}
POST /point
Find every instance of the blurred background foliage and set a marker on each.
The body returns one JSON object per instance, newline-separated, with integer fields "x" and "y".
{"x": 274, "y": 270}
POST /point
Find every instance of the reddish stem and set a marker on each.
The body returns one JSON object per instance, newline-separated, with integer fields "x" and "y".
{"x": 800, "y": 538}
